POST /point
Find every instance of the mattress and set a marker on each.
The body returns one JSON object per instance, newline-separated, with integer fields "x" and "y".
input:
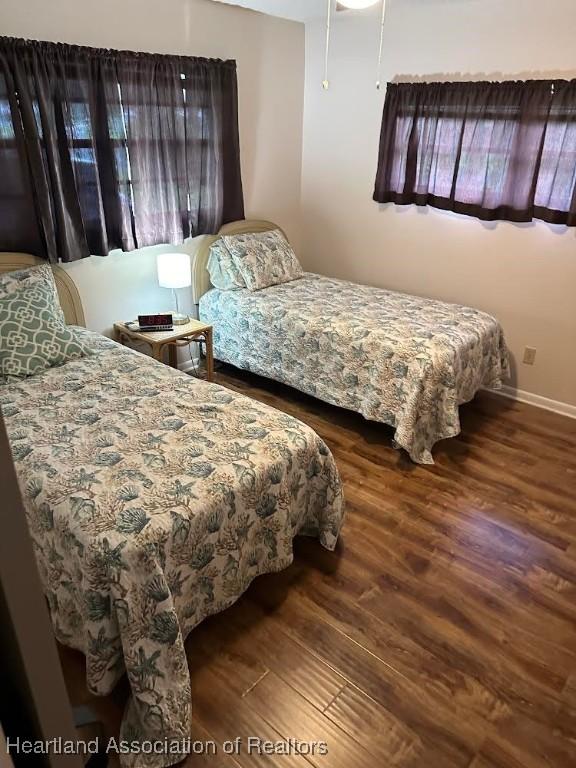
{"x": 153, "y": 500}
{"x": 406, "y": 361}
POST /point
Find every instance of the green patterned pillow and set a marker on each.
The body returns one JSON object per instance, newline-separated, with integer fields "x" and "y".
{"x": 31, "y": 276}
{"x": 33, "y": 333}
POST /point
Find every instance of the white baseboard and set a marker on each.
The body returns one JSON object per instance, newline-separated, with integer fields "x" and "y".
{"x": 538, "y": 400}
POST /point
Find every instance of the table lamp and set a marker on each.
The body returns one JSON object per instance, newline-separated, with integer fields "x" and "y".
{"x": 174, "y": 272}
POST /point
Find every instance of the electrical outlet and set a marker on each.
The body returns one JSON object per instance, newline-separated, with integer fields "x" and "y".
{"x": 529, "y": 356}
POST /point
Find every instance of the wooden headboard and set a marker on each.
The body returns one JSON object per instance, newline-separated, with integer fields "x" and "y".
{"x": 67, "y": 292}
{"x": 200, "y": 277}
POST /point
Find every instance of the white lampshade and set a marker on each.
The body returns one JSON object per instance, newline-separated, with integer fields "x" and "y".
{"x": 357, "y": 4}
{"x": 174, "y": 270}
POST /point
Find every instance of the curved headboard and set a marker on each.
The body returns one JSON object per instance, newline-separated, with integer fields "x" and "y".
{"x": 67, "y": 292}
{"x": 200, "y": 277}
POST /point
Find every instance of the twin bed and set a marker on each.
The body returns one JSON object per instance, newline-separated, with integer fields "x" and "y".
{"x": 405, "y": 361}
{"x": 154, "y": 499}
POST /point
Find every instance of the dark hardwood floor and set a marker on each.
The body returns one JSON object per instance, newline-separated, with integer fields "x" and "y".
{"x": 440, "y": 634}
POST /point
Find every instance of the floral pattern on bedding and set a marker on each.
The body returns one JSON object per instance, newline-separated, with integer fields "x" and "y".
{"x": 403, "y": 360}
{"x": 224, "y": 274}
{"x": 153, "y": 501}
{"x": 263, "y": 258}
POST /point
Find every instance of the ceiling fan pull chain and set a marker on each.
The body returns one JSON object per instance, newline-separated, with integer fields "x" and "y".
{"x": 381, "y": 47}
{"x": 326, "y": 82}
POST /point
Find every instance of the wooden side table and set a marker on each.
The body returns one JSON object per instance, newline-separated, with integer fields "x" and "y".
{"x": 181, "y": 336}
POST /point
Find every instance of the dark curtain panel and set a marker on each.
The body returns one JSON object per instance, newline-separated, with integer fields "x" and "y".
{"x": 154, "y": 119}
{"x": 181, "y": 123}
{"x": 19, "y": 227}
{"x": 492, "y": 150}
{"x": 113, "y": 149}
{"x": 60, "y": 154}
{"x": 213, "y": 148}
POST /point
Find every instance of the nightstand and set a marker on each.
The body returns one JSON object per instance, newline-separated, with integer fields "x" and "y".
{"x": 181, "y": 336}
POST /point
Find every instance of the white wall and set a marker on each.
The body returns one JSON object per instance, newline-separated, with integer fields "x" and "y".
{"x": 270, "y": 58}
{"x": 523, "y": 274}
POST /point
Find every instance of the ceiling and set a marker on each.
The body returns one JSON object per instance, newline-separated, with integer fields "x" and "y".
{"x": 298, "y": 10}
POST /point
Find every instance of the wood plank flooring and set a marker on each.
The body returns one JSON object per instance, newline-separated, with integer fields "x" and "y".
{"x": 440, "y": 634}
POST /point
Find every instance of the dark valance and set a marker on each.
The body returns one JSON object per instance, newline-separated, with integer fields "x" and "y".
{"x": 504, "y": 150}
{"x": 103, "y": 149}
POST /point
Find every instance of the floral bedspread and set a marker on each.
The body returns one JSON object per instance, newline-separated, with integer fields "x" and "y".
{"x": 153, "y": 500}
{"x": 403, "y": 360}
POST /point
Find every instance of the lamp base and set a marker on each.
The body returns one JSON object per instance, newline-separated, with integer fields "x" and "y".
{"x": 178, "y": 318}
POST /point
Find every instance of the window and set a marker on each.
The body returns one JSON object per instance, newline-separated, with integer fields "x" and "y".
{"x": 109, "y": 149}
{"x": 492, "y": 150}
